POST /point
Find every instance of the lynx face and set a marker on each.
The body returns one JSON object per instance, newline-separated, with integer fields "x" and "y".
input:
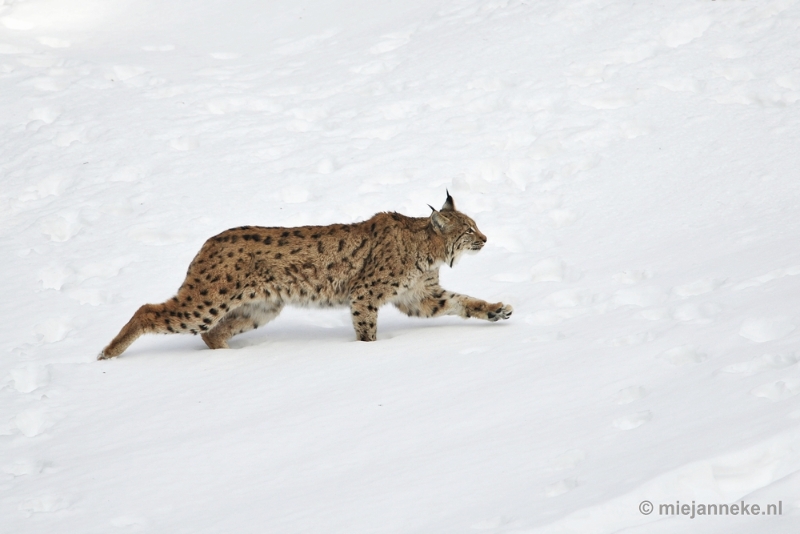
{"x": 460, "y": 231}
{"x": 243, "y": 277}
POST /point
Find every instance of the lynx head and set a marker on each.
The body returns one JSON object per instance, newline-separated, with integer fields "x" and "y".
{"x": 459, "y": 231}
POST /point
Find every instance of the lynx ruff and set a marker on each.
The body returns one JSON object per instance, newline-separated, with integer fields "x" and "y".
{"x": 242, "y": 278}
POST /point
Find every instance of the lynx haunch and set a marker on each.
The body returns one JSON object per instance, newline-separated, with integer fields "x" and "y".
{"x": 243, "y": 277}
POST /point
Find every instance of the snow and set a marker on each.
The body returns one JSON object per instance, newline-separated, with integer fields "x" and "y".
{"x": 632, "y": 164}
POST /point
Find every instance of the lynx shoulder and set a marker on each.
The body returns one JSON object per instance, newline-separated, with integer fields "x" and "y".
{"x": 243, "y": 277}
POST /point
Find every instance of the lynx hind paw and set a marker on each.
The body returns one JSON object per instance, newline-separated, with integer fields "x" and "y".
{"x": 501, "y": 311}
{"x": 103, "y": 355}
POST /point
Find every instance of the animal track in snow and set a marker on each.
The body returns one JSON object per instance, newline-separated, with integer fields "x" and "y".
{"x": 66, "y": 138}
{"x": 698, "y": 287}
{"x": 480, "y": 180}
{"x": 53, "y": 330}
{"x": 770, "y": 276}
{"x": 632, "y": 277}
{"x": 391, "y": 42}
{"x": 54, "y": 276}
{"x": 732, "y": 51}
{"x": 583, "y": 75}
{"x": 763, "y": 329}
{"x": 32, "y": 422}
{"x": 629, "y": 340}
{"x": 655, "y": 314}
{"x": 734, "y": 74}
{"x": 631, "y": 55}
{"x": 184, "y": 143}
{"x": 47, "y": 115}
{"x": 48, "y": 84}
{"x": 62, "y": 227}
{"x": 569, "y": 298}
{"x": 57, "y": 276}
{"x": 630, "y": 394}
{"x": 30, "y": 378}
{"x": 743, "y": 95}
{"x": 522, "y": 171}
{"x": 642, "y": 297}
{"x": 634, "y": 129}
{"x": 561, "y": 487}
{"x": 634, "y": 420}
{"x": 289, "y": 48}
{"x": 761, "y": 363}
{"x": 24, "y": 467}
{"x": 562, "y": 217}
{"x": 684, "y": 32}
{"x": 696, "y": 313}
{"x": 92, "y": 296}
{"x": 777, "y": 391}
{"x": 105, "y": 269}
{"x": 568, "y": 459}
{"x": 46, "y": 504}
{"x": 683, "y": 355}
{"x": 549, "y": 270}
{"x": 791, "y": 82}
{"x": 125, "y": 72}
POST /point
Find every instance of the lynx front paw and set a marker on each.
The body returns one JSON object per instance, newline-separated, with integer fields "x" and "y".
{"x": 502, "y": 311}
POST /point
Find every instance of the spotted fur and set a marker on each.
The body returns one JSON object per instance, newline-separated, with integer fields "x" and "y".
{"x": 243, "y": 277}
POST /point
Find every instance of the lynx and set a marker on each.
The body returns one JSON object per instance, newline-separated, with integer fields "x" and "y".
{"x": 242, "y": 278}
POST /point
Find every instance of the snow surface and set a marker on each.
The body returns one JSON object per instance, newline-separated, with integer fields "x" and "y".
{"x": 634, "y": 165}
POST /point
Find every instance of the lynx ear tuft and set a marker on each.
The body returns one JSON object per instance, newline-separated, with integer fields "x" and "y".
{"x": 449, "y": 204}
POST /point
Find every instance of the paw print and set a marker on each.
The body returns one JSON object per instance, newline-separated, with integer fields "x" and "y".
{"x": 503, "y": 311}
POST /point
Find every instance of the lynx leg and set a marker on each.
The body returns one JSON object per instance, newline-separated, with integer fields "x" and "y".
{"x": 365, "y": 319}
{"x": 244, "y": 318}
{"x": 441, "y": 302}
